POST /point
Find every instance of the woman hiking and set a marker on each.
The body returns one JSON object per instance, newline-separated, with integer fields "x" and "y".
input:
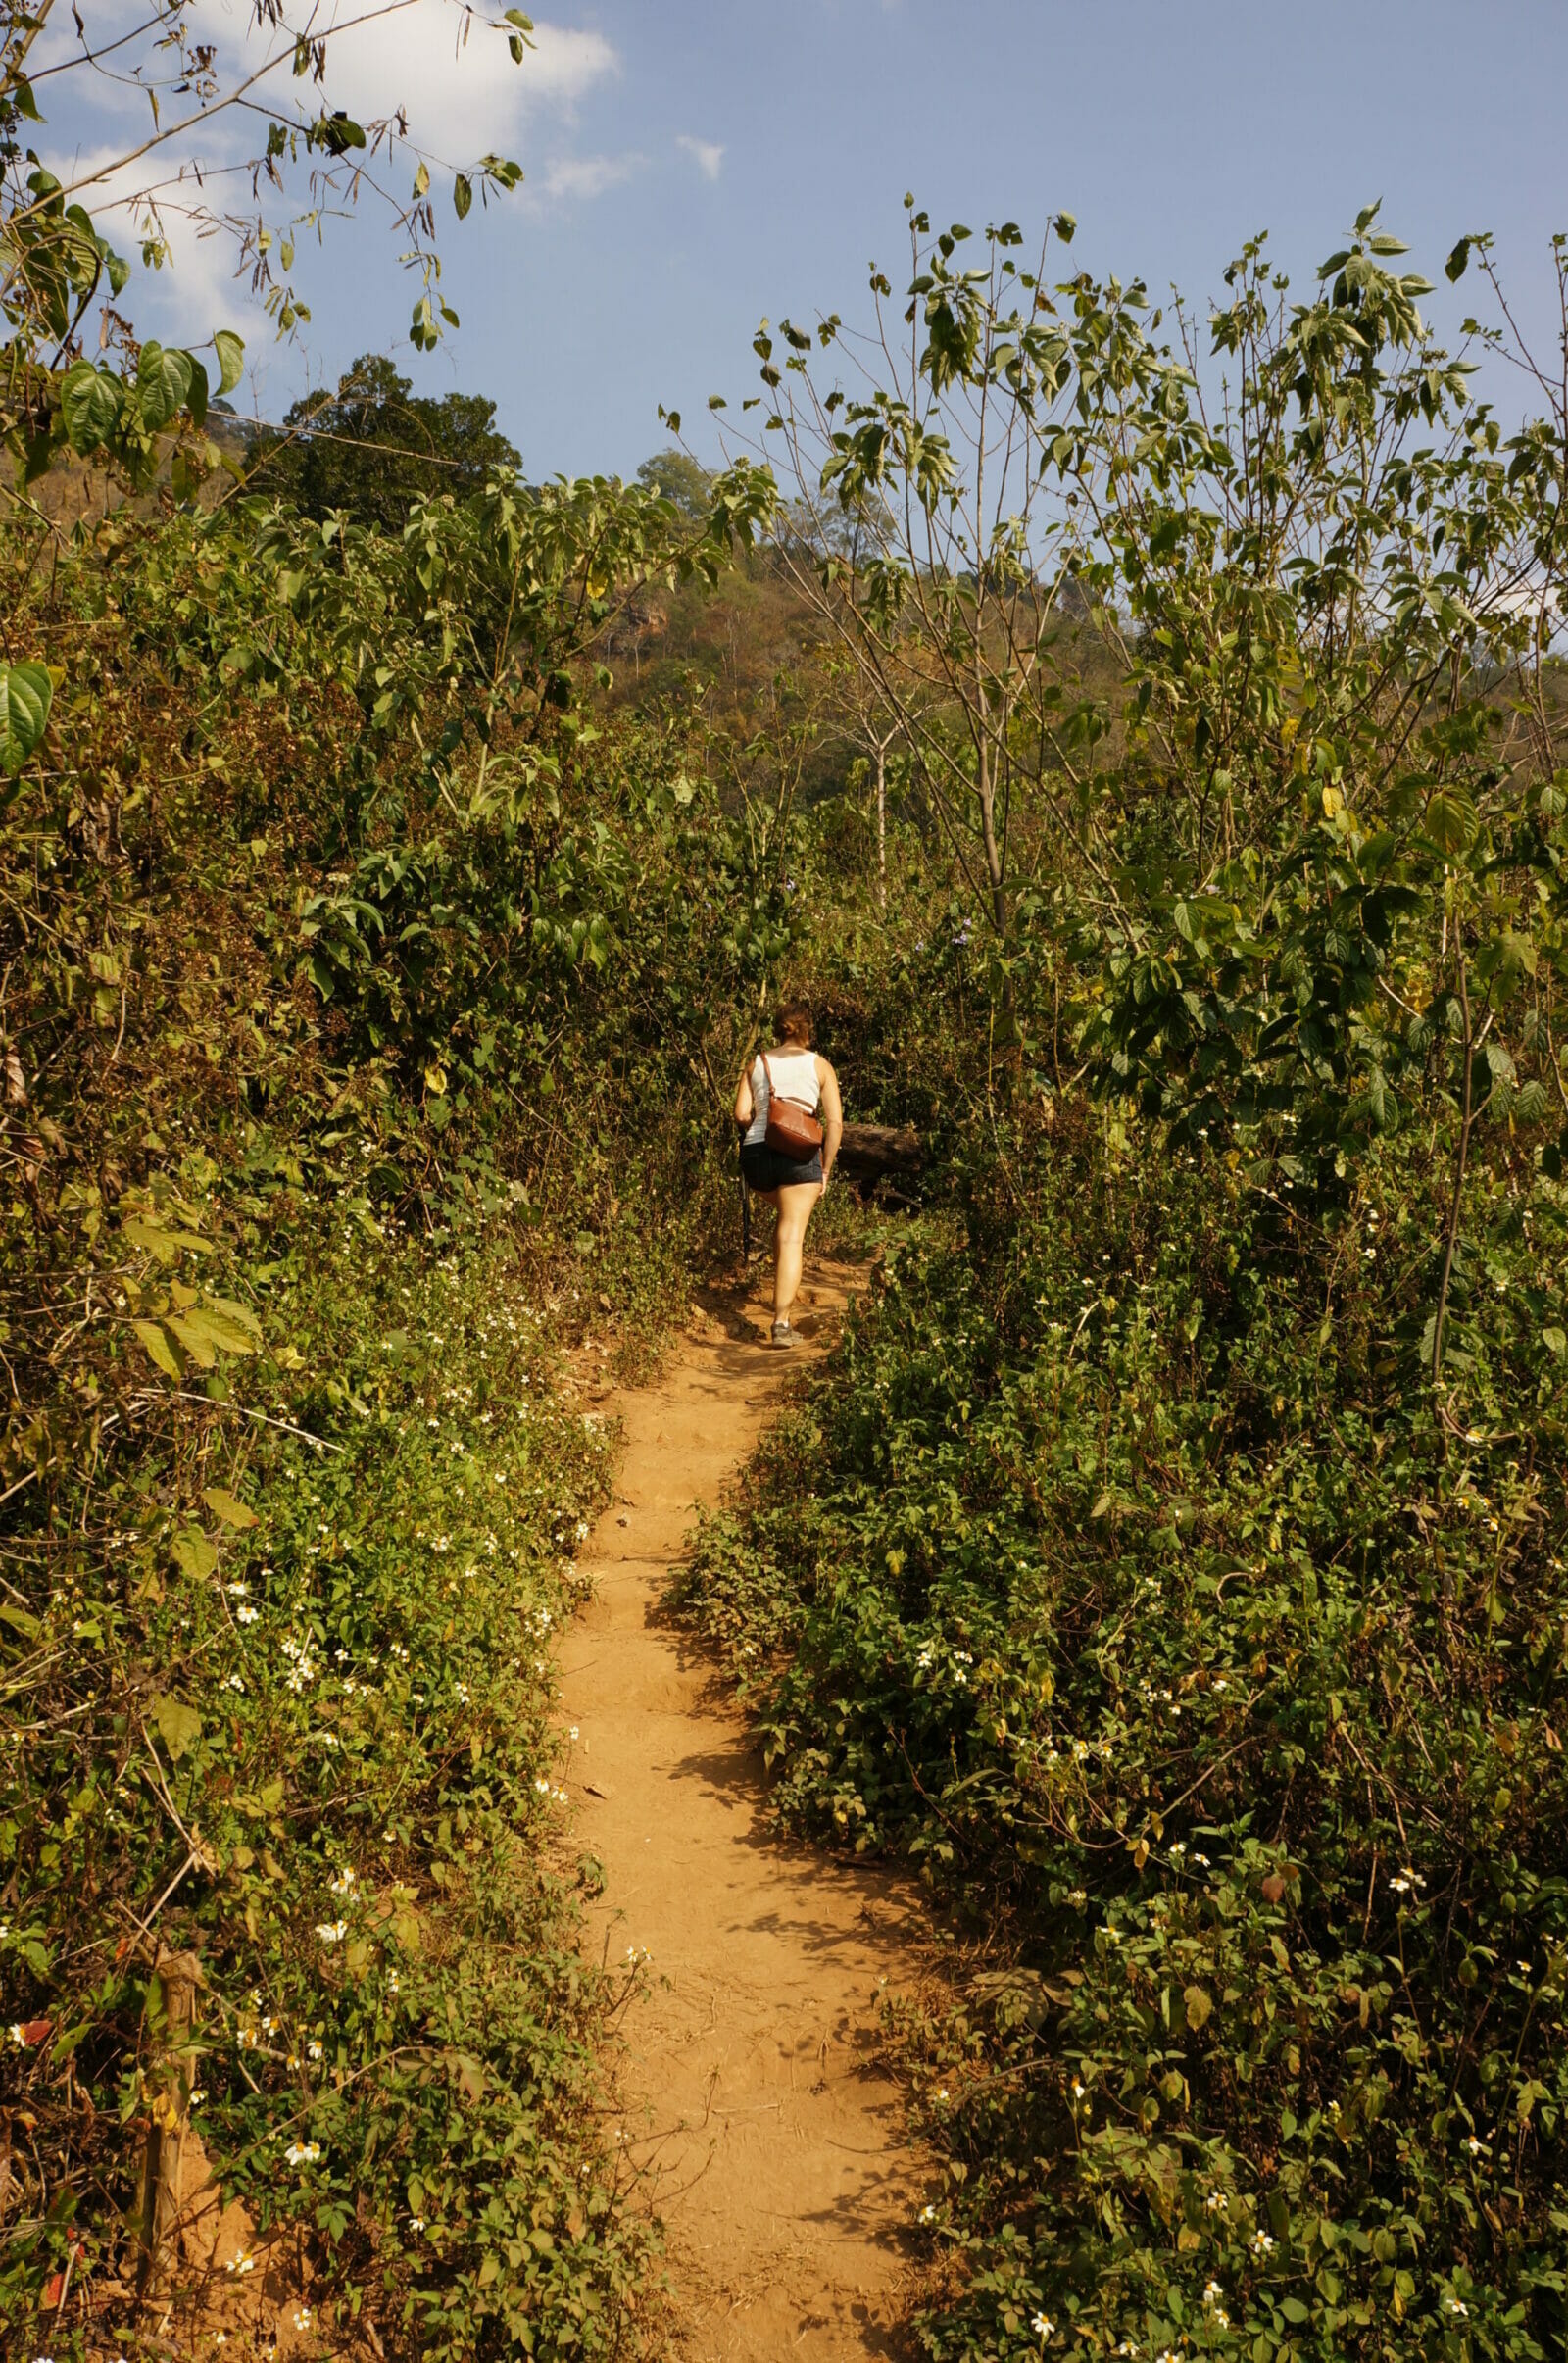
{"x": 786, "y": 1153}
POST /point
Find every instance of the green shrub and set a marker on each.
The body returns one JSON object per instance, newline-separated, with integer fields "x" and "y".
{"x": 294, "y": 1714}
{"x": 1121, "y": 1578}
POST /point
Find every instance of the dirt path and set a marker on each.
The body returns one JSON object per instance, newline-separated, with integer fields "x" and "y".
{"x": 775, "y": 2152}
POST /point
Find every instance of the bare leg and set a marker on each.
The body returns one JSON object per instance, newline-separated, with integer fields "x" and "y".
{"x": 765, "y": 1198}
{"x": 795, "y": 1201}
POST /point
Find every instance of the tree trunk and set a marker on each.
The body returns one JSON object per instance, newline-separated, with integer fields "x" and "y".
{"x": 882, "y": 828}
{"x": 1460, "y": 1162}
{"x": 993, "y": 850}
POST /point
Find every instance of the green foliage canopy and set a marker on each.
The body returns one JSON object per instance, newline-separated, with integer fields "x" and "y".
{"x": 376, "y": 448}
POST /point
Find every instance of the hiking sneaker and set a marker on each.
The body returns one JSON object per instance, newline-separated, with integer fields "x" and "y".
{"x": 784, "y": 1335}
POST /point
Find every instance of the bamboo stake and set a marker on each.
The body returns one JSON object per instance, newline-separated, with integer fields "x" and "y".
{"x": 180, "y": 1975}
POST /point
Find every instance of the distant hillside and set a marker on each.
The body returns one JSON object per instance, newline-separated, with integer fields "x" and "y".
{"x": 76, "y": 488}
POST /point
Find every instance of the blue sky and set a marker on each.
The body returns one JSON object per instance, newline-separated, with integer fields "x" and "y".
{"x": 692, "y": 166}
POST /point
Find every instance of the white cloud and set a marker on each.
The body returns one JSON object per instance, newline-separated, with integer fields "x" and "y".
{"x": 564, "y": 65}
{"x": 463, "y": 97}
{"x": 446, "y": 68}
{"x": 586, "y": 175}
{"x": 708, "y": 155}
{"x": 195, "y": 290}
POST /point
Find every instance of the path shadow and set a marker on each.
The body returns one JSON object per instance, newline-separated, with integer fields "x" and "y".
{"x": 733, "y": 1774}
{"x": 742, "y": 1307}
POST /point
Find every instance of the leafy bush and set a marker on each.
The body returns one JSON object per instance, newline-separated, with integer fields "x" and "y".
{"x": 1123, "y": 1578}
{"x": 289, "y": 1239}
{"x": 294, "y": 1715}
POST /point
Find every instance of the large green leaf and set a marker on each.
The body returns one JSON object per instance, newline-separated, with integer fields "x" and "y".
{"x": 228, "y": 1506}
{"x": 163, "y": 382}
{"x": 1450, "y": 820}
{"x": 196, "y": 1552}
{"x": 90, "y": 404}
{"x": 193, "y": 1336}
{"x": 157, "y": 1343}
{"x": 177, "y": 1725}
{"x": 196, "y": 395}
{"x": 25, "y": 693}
{"x": 203, "y": 1326}
{"x": 230, "y": 351}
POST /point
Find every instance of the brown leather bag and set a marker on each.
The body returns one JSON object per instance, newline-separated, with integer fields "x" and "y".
{"x": 790, "y": 1129}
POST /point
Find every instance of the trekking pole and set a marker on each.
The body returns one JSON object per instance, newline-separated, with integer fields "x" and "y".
{"x": 745, "y": 1223}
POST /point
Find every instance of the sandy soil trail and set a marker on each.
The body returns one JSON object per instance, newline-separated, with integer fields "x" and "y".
{"x": 775, "y": 2154}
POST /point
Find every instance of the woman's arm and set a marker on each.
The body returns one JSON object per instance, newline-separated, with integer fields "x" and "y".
{"x": 744, "y": 1106}
{"x": 832, "y": 1116}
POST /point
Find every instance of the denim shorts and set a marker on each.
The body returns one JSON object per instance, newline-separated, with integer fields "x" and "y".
{"x": 769, "y": 1168}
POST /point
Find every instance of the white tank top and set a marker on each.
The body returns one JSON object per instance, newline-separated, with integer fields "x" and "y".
{"x": 795, "y": 1073}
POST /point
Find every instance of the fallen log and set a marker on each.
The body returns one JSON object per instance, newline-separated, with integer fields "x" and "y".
{"x": 869, "y": 1154}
